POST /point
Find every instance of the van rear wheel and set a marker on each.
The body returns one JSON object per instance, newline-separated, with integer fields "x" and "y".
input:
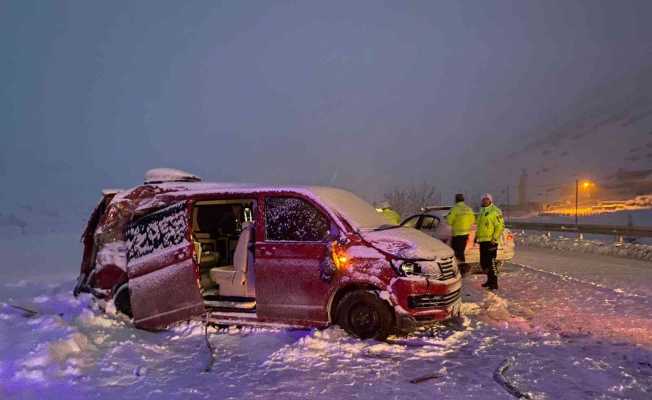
{"x": 363, "y": 314}
{"x": 122, "y": 300}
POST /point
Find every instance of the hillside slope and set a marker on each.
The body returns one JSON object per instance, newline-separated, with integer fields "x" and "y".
{"x": 607, "y": 133}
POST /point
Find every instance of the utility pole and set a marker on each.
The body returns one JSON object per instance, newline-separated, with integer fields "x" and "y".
{"x": 577, "y": 199}
{"x": 507, "y": 205}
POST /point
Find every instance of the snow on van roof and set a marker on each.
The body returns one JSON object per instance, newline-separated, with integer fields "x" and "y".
{"x": 357, "y": 212}
{"x": 110, "y": 191}
{"x": 158, "y": 175}
{"x": 191, "y": 189}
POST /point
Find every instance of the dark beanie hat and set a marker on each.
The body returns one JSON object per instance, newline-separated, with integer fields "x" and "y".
{"x": 459, "y": 197}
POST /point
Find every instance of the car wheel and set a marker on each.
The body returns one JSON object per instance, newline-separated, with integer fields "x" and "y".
{"x": 122, "y": 300}
{"x": 363, "y": 314}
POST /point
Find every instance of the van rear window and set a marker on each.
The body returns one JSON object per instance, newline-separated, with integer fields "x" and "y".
{"x": 294, "y": 219}
{"x": 157, "y": 231}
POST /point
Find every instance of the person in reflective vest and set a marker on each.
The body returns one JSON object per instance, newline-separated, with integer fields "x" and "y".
{"x": 490, "y": 230}
{"x": 461, "y": 219}
{"x": 390, "y": 215}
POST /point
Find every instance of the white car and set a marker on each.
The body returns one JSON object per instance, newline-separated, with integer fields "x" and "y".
{"x": 433, "y": 222}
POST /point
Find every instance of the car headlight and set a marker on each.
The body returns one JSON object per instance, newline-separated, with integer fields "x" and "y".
{"x": 410, "y": 268}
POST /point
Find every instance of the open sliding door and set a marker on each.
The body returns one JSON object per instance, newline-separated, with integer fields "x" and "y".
{"x": 163, "y": 277}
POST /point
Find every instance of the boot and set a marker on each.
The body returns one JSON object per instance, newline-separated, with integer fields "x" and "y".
{"x": 492, "y": 277}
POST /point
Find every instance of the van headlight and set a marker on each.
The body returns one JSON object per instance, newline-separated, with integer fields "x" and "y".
{"x": 410, "y": 268}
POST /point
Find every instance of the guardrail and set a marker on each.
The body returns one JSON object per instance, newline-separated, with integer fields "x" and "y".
{"x": 620, "y": 232}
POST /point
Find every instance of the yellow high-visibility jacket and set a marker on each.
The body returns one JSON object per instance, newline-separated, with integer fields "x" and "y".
{"x": 490, "y": 224}
{"x": 392, "y": 216}
{"x": 461, "y": 218}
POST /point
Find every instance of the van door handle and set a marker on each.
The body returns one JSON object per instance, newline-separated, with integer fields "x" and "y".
{"x": 264, "y": 251}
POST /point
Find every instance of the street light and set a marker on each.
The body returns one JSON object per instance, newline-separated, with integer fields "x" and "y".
{"x": 577, "y": 200}
{"x": 586, "y": 185}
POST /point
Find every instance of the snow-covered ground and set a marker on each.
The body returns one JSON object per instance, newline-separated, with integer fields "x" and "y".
{"x": 564, "y": 326}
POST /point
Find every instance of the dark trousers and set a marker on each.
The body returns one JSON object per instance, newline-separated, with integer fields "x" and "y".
{"x": 458, "y": 243}
{"x": 488, "y": 253}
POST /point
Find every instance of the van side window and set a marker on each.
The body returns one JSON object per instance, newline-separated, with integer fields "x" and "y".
{"x": 293, "y": 219}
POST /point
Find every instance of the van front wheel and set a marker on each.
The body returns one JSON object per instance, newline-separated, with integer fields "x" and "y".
{"x": 363, "y": 314}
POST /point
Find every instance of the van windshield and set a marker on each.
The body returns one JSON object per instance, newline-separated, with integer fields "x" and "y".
{"x": 357, "y": 212}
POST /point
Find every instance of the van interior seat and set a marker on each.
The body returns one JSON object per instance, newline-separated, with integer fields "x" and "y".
{"x": 232, "y": 279}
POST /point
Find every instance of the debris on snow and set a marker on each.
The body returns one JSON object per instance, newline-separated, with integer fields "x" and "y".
{"x": 27, "y": 312}
{"x": 501, "y": 379}
{"x": 211, "y": 350}
{"x": 424, "y": 378}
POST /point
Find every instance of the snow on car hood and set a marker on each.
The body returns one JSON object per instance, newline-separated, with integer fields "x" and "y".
{"x": 407, "y": 243}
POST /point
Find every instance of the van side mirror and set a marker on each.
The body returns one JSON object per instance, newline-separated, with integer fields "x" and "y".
{"x": 334, "y": 235}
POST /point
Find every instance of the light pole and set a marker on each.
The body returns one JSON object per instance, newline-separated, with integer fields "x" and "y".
{"x": 507, "y": 201}
{"x": 586, "y": 185}
{"x": 577, "y": 199}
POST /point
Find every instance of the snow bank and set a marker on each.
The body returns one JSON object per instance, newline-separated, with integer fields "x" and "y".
{"x": 561, "y": 243}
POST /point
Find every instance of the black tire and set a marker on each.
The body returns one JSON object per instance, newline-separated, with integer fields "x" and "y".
{"x": 364, "y": 315}
{"x": 122, "y": 300}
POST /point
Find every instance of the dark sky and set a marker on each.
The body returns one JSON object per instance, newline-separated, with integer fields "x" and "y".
{"x": 358, "y": 94}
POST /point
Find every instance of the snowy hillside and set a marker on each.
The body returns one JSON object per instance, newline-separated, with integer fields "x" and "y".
{"x": 31, "y": 217}
{"x": 609, "y": 129}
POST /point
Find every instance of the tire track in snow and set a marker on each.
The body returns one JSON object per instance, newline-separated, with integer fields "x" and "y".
{"x": 596, "y": 309}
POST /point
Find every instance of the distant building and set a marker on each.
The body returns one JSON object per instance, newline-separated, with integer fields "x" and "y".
{"x": 522, "y": 189}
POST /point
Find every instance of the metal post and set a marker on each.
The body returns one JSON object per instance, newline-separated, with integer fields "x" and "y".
{"x": 507, "y": 205}
{"x": 577, "y": 199}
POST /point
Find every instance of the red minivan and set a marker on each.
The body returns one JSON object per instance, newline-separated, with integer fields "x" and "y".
{"x": 176, "y": 248}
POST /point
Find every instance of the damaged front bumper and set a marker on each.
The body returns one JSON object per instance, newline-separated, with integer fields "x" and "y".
{"x": 422, "y": 301}
{"x": 407, "y": 323}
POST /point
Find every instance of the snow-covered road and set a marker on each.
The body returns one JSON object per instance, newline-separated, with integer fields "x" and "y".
{"x": 571, "y": 326}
